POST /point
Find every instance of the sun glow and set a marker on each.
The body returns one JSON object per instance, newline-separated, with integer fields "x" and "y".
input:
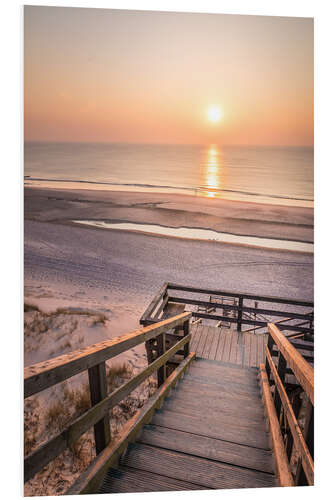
{"x": 214, "y": 114}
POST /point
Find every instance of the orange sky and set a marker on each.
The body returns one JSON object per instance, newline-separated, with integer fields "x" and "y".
{"x": 111, "y": 75}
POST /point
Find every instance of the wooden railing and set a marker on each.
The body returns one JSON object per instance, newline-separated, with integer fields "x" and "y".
{"x": 243, "y": 313}
{"x": 283, "y": 407}
{"x": 48, "y": 373}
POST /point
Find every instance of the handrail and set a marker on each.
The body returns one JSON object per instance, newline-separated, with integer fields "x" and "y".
{"x": 43, "y": 375}
{"x": 48, "y": 373}
{"x": 287, "y": 399}
{"x": 299, "y": 440}
{"x": 303, "y": 371}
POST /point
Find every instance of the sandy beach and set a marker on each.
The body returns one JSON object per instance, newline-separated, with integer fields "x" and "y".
{"x": 118, "y": 271}
{"x": 86, "y": 284}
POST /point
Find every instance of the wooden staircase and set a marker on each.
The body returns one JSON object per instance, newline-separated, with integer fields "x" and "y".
{"x": 209, "y": 434}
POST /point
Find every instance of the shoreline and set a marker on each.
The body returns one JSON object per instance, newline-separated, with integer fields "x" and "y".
{"x": 201, "y": 192}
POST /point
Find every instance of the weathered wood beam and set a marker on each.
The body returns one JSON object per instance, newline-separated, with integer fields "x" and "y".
{"x": 281, "y": 461}
{"x": 48, "y": 373}
{"x": 90, "y": 480}
{"x": 302, "y": 370}
{"x": 299, "y": 441}
{"x": 98, "y": 392}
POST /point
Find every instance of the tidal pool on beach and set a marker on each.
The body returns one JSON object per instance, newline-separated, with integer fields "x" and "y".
{"x": 204, "y": 234}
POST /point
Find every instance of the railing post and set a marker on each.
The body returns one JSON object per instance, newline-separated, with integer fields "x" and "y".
{"x": 161, "y": 372}
{"x": 98, "y": 391}
{"x": 296, "y": 406}
{"x": 270, "y": 344}
{"x": 186, "y": 332}
{"x": 240, "y": 313}
{"x": 281, "y": 369}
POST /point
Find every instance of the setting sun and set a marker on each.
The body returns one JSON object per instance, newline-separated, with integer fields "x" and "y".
{"x": 214, "y": 114}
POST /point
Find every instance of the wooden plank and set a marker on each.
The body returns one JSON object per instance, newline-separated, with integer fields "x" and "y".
{"x": 281, "y": 460}
{"x": 226, "y": 347}
{"x": 231, "y": 433}
{"x": 234, "y": 347}
{"x": 90, "y": 480}
{"x": 128, "y": 480}
{"x": 225, "y": 368}
{"x": 224, "y": 385}
{"x": 299, "y": 441}
{"x": 208, "y": 343}
{"x": 196, "y": 334}
{"x": 98, "y": 391}
{"x": 215, "y": 340}
{"x": 220, "y": 378}
{"x": 202, "y": 342}
{"x": 206, "y": 447}
{"x": 225, "y": 403}
{"x": 228, "y": 416}
{"x": 247, "y": 348}
{"x": 56, "y": 445}
{"x": 193, "y": 469}
{"x": 281, "y": 300}
{"x": 303, "y": 371}
{"x": 48, "y": 373}
{"x": 220, "y": 346}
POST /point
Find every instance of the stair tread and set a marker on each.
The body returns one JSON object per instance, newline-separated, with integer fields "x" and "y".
{"x": 207, "y": 447}
{"x": 193, "y": 469}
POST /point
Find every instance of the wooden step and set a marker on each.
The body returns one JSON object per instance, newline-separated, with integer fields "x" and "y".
{"x": 232, "y": 385}
{"x": 128, "y": 480}
{"x": 223, "y": 366}
{"x": 245, "y": 377}
{"x": 218, "y": 391}
{"x": 206, "y": 447}
{"x": 193, "y": 469}
{"x": 209, "y": 428}
{"x": 211, "y": 399}
{"x": 252, "y": 421}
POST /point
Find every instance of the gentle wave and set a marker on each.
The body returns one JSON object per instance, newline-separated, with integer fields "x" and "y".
{"x": 172, "y": 188}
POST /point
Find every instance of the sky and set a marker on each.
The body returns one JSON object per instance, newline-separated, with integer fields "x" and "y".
{"x": 102, "y": 75}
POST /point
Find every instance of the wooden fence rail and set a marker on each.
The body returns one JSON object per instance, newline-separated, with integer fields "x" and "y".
{"x": 243, "y": 312}
{"x": 46, "y": 374}
{"x": 287, "y": 406}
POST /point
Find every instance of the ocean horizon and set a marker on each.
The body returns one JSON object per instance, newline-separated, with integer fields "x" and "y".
{"x": 262, "y": 174}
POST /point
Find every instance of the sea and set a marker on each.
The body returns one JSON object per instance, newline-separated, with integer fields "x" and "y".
{"x": 261, "y": 174}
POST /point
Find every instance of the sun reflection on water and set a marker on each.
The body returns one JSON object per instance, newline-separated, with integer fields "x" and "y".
{"x": 212, "y": 172}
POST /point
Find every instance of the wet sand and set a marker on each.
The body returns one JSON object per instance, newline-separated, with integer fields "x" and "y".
{"x": 171, "y": 210}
